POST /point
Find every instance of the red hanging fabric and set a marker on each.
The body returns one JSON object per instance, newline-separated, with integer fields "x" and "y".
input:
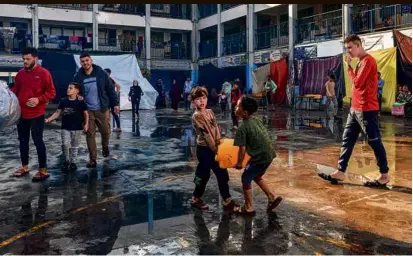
{"x": 279, "y": 74}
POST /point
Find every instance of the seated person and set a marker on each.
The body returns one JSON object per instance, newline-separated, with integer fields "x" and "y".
{"x": 404, "y": 100}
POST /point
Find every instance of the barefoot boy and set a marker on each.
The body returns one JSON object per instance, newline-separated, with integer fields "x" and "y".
{"x": 252, "y": 137}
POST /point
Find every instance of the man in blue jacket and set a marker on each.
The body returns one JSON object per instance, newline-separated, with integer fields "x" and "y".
{"x": 99, "y": 94}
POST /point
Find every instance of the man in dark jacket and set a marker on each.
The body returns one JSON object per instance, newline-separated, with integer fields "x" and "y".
{"x": 100, "y": 96}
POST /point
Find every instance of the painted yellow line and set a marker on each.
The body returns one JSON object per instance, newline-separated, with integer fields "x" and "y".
{"x": 25, "y": 233}
{"x": 48, "y": 223}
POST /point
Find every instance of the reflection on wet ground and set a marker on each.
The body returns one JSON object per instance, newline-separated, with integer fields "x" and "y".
{"x": 137, "y": 200}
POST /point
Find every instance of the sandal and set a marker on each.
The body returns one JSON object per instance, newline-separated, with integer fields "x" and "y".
{"x": 21, "y": 172}
{"x": 91, "y": 164}
{"x": 198, "y": 203}
{"x": 40, "y": 176}
{"x": 272, "y": 205}
{"x": 328, "y": 177}
{"x": 231, "y": 206}
{"x": 375, "y": 184}
{"x": 243, "y": 211}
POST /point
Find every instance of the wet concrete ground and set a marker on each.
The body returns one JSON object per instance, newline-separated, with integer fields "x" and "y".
{"x": 137, "y": 200}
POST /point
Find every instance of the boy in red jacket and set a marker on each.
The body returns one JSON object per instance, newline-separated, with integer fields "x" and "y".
{"x": 34, "y": 89}
{"x": 363, "y": 114}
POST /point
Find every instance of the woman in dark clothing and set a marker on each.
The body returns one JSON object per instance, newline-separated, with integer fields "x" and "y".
{"x": 135, "y": 95}
{"x": 175, "y": 95}
{"x": 160, "y": 100}
{"x": 235, "y": 96}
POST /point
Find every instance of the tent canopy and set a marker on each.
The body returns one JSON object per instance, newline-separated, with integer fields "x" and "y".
{"x": 125, "y": 69}
{"x": 311, "y": 75}
{"x": 404, "y": 58}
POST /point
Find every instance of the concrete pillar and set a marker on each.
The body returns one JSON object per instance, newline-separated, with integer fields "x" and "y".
{"x": 148, "y": 35}
{"x": 250, "y": 45}
{"x": 278, "y": 22}
{"x": 95, "y": 39}
{"x": 35, "y": 25}
{"x": 194, "y": 44}
{"x": 220, "y": 30}
{"x": 292, "y": 18}
{"x": 346, "y": 20}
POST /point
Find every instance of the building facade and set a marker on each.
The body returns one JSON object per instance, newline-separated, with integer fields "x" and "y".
{"x": 183, "y": 36}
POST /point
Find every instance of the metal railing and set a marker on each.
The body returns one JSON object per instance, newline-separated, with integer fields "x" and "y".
{"x": 208, "y": 49}
{"x": 206, "y": 10}
{"x": 383, "y": 18}
{"x": 64, "y": 43}
{"x": 170, "y": 50}
{"x": 228, "y": 6}
{"x": 319, "y": 27}
{"x": 80, "y": 7}
{"x": 122, "y": 45}
{"x": 271, "y": 36}
{"x": 15, "y": 44}
{"x": 136, "y": 9}
{"x": 174, "y": 11}
{"x": 236, "y": 43}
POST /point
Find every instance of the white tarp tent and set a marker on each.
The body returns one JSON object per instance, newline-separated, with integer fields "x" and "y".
{"x": 125, "y": 69}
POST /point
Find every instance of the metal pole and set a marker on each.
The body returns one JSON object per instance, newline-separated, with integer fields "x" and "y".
{"x": 35, "y": 25}
{"x": 148, "y": 35}
{"x": 95, "y": 13}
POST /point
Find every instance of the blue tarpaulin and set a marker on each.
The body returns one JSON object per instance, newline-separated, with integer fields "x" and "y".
{"x": 62, "y": 67}
{"x": 214, "y": 77}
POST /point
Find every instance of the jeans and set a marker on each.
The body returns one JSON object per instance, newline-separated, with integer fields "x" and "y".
{"x": 206, "y": 158}
{"x": 135, "y": 107}
{"x": 115, "y": 117}
{"x": 187, "y": 102}
{"x": 70, "y": 144}
{"x": 100, "y": 120}
{"x": 233, "y": 116}
{"x": 368, "y": 123}
{"x": 252, "y": 172}
{"x": 335, "y": 105}
{"x": 34, "y": 126}
{"x": 380, "y": 99}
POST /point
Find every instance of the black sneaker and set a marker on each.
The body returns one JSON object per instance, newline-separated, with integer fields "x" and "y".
{"x": 105, "y": 152}
{"x": 91, "y": 164}
{"x": 65, "y": 166}
{"x": 198, "y": 203}
{"x": 72, "y": 167}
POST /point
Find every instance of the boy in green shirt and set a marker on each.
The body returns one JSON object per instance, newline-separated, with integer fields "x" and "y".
{"x": 252, "y": 137}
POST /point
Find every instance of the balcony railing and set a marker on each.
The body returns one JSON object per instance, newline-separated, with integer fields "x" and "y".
{"x": 122, "y": 45}
{"x": 136, "y": 9}
{"x": 236, "y": 43}
{"x": 387, "y": 17}
{"x": 14, "y": 41}
{"x": 319, "y": 27}
{"x": 64, "y": 43}
{"x": 208, "y": 49}
{"x": 271, "y": 36}
{"x": 81, "y": 7}
{"x": 206, "y": 10}
{"x": 174, "y": 11}
{"x": 228, "y": 6}
{"x": 168, "y": 50}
